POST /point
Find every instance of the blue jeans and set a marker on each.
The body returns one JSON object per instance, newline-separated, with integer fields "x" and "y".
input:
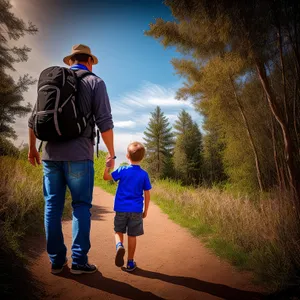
{"x": 79, "y": 177}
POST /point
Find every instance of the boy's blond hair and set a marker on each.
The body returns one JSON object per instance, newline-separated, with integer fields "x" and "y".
{"x": 136, "y": 151}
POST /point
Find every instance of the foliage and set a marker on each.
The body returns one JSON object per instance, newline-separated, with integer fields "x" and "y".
{"x": 11, "y": 91}
{"x": 7, "y": 148}
{"x": 188, "y": 150}
{"x": 159, "y": 143}
{"x": 242, "y": 68}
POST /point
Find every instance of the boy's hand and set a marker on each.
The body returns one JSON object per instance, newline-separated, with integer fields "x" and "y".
{"x": 144, "y": 214}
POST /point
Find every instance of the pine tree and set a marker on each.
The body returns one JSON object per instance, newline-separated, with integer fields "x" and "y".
{"x": 159, "y": 143}
{"x": 188, "y": 150}
{"x": 11, "y": 92}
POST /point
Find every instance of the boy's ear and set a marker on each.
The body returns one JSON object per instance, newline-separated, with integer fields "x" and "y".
{"x": 127, "y": 155}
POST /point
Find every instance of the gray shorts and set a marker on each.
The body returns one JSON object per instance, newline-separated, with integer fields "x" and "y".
{"x": 132, "y": 223}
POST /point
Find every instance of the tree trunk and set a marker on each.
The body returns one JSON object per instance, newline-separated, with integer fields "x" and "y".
{"x": 287, "y": 138}
{"x": 295, "y": 119}
{"x": 279, "y": 36}
{"x": 279, "y": 179}
{"x": 237, "y": 100}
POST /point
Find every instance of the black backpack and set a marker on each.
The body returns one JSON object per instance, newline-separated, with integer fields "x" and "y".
{"x": 57, "y": 115}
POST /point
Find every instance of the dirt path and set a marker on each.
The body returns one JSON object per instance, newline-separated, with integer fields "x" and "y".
{"x": 172, "y": 264}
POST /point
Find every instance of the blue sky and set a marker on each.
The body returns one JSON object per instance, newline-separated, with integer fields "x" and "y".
{"x": 135, "y": 68}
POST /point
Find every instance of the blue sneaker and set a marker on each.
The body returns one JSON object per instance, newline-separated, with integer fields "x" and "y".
{"x": 119, "y": 260}
{"x": 131, "y": 266}
{"x": 56, "y": 269}
{"x": 83, "y": 269}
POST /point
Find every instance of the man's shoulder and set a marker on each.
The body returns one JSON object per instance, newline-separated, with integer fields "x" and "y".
{"x": 93, "y": 78}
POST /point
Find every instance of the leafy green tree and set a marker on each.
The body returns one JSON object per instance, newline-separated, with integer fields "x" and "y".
{"x": 11, "y": 92}
{"x": 159, "y": 143}
{"x": 7, "y": 148}
{"x": 188, "y": 150}
{"x": 220, "y": 33}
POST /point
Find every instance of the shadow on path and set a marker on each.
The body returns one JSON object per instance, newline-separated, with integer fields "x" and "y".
{"x": 97, "y": 281}
{"x": 98, "y": 212}
{"x": 219, "y": 290}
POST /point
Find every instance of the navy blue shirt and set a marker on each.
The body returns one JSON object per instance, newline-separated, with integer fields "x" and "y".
{"x": 133, "y": 181}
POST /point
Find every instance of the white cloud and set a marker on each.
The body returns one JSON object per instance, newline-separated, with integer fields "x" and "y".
{"x": 124, "y": 124}
{"x": 120, "y": 110}
{"x": 151, "y": 94}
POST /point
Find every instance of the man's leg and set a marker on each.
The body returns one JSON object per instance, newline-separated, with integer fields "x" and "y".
{"x": 54, "y": 186}
{"x": 80, "y": 180}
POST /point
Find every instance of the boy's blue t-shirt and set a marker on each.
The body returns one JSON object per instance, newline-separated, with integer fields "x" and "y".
{"x": 133, "y": 180}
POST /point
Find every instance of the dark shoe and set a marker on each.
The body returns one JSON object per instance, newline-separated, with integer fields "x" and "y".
{"x": 119, "y": 260}
{"x": 56, "y": 269}
{"x": 83, "y": 269}
{"x": 131, "y": 266}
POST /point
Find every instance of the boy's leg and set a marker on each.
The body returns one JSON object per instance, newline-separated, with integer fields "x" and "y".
{"x": 119, "y": 237}
{"x": 131, "y": 247}
{"x": 120, "y": 224}
{"x": 54, "y": 187}
{"x": 135, "y": 228}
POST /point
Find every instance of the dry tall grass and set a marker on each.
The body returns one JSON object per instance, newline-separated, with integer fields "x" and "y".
{"x": 21, "y": 201}
{"x": 265, "y": 231}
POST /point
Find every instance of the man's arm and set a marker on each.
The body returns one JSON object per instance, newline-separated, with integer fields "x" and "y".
{"x": 33, "y": 154}
{"x": 103, "y": 118}
{"x": 108, "y": 138}
{"x": 147, "y": 201}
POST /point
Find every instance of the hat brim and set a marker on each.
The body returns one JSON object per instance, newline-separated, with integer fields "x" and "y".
{"x": 67, "y": 58}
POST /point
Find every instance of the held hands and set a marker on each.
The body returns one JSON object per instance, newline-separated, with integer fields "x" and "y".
{"x": 34, "y": 157}
{"x": 110, "y": 162}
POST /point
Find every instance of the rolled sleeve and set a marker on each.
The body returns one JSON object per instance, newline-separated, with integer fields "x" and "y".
{"x": 30, "y": 120}
{"x": 101, "y": 108}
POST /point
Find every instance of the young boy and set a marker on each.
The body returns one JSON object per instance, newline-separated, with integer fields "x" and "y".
{"x": 129, "y": 202}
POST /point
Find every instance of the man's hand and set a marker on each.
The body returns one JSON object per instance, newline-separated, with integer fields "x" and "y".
{"x": 110, "y": 162}
{"x": 145, "y": 214}
{"x": 34, "y": 157}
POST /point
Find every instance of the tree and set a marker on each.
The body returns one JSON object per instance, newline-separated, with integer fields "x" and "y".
{"x": 7, "y": 148}
{"x": 159, "y": 143}
{"x": 11, "y": 92}
{"x": 188, "y": 149}
{"x": 264, "y": 35}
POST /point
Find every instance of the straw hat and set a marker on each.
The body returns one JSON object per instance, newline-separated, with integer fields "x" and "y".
{"x": 83, "y": 49}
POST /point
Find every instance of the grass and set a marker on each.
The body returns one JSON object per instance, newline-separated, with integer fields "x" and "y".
{"x": 259, "y": 236}
{"x": 21, "y": 215}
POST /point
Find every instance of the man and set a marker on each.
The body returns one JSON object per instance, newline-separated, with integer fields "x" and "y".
{"x": 70, "y": 163}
